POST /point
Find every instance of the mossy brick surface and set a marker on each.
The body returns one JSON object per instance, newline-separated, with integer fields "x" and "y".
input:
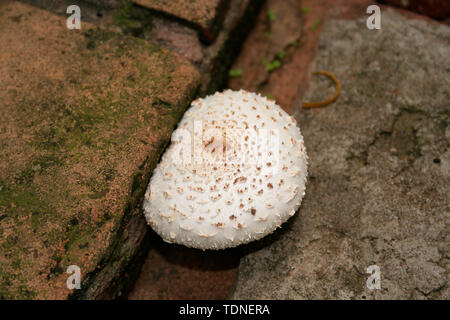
{"x": 85, "y": 115}
{"x": 205, "y": 14}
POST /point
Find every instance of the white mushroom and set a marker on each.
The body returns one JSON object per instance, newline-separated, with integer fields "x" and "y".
{"x": 235, "y": 171}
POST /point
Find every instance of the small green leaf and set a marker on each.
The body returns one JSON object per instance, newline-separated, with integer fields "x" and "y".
{"x": 269, "y": 96}
{"x": 275, "y": 64}
{"x": 271, "y": 15}
{"x": 235, "y": 73}
{"x": 266, "y": 35}
{"x": 315, "y": 25}
{"x": 281, "y": 55}
{"x": 304, "y": 10}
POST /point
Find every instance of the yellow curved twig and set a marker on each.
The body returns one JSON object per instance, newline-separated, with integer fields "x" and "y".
{"x": 324, "y": 103}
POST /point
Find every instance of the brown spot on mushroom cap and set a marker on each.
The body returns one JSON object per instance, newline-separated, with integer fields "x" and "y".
{"x": 240, "y": 179}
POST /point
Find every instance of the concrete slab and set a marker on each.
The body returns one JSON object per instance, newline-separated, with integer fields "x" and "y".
{"x": 377, "y": 191}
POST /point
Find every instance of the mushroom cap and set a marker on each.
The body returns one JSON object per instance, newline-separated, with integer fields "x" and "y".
{"x": 235, "y": 171}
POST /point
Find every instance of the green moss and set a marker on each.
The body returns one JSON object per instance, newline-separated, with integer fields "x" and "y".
{"x": 95, "y": 37}
{"x": 36, "y": 219}
{"x": 5, "y": 284}
{"x": 20, "y": 199}
{"x": 133, "y": 19}
{"x": 25, "y": 293}
{"x": 315, "y": 25}
{"x": 235, "y": 73}
{"x": 271, "y": 15}
{"x": 57, "y": 269}
{"x": 304, "y": 10}
{"x": 41, "y": 197}
{"x": 269, "y": 96}
{"x": 137, "y": 181}
{"x": 43, "y": 162}
{"x": 10, "y": 242}
{"x": 79, "y": 236}
{"x": 26, "y": 176}
{"x": 16, "y": 263}
{"x": 160, "y": 104}
{"x": 273, "y": 65}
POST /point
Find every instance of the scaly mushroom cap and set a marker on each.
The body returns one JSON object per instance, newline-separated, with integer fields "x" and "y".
{"x": 235, "y": 171}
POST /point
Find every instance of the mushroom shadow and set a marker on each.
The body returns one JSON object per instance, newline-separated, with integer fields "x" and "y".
{"x": 174, "y": 271}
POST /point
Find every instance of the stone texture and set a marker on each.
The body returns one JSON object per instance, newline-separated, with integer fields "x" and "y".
{"x": 439, "y": 9}
{"x": 217, "y": 58}
{"x": 269, "y": 41}
{"x": 205, "y": 14}
{"x": 85, "y": 116}
{"x": 378, "y": 176}
{"x": 97, "y": 12}
{"x": 296, "y": 36}
{"x": 211, "y": 59}
{"x": 107, "y": 3}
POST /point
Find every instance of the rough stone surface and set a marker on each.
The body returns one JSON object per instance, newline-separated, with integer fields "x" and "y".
{"x": 94, "y": 12}
{"x": 439, "y": 9}
{"x": 295, "y": 39}
{"x": 219, "y": 56}
{"x": 206, "y": 14}
{"x": 107, "y": 3}
{"x": 269, "y": 41}
{"x": 85, "y": 116}
{"x": 211, "y": 59}
{"x": 379, "y": 172}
